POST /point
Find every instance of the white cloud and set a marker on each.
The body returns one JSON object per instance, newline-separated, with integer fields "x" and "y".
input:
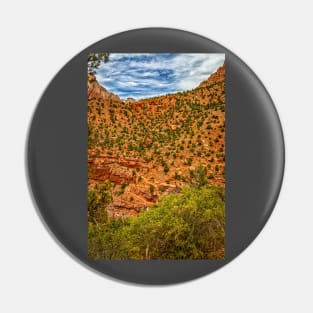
{"x": 144, "y": 75}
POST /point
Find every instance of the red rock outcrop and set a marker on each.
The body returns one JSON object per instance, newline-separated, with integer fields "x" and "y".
{"x": 95, "y": 90}
{"x": 101, "y": 172}
{"x": 129, "y": 100}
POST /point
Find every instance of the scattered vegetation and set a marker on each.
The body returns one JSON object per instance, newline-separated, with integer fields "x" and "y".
{"x": 163, "y": 159}
{"x": 190, "y": 225}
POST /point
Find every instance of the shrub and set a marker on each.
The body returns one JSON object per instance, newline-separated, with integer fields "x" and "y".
{"x": 165, "y": 168}
{"x": 151, "y": 188}
{"x": 190, "y": 225}
{"x": 98, "y": 199}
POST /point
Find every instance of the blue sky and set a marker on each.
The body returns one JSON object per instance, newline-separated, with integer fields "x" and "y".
{"x": 145, "y": 75}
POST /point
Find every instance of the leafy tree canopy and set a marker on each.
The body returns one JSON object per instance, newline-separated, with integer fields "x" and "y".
{"x": 95, "y": 59}
{"x": 190, "y": 225}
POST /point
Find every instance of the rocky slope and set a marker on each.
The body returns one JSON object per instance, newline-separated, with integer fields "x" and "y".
{"x": 155, "y": 146}
{"x": 96, "y": 91}
{"x": 217, "y": 77}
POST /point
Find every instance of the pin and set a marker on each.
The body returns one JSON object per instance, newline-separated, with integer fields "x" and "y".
{"x": 155, "y": 156}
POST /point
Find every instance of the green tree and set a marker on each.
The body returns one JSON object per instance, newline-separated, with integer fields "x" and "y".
{"x": 95, "y": 59}
{"x": 190, "y": 225}
{"x": 198, "y": 176}
{"x": 165, "y": 168}
{"x": 151, "y": 188}
{"x": 98, "y": 199}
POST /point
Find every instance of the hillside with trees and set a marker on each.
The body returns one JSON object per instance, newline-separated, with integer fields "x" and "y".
{"x": 156, "y": 173}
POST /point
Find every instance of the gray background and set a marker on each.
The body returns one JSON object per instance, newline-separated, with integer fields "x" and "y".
{"x": 57, "y": 158}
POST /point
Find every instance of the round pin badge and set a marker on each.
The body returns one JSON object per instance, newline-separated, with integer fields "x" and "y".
{"x": 155, "y": 156}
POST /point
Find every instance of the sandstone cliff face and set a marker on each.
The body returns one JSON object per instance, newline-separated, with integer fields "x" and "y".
{"x": 96, "y": 91}
{"x": 120, "y": 170}
{"x": 117, "y": 170}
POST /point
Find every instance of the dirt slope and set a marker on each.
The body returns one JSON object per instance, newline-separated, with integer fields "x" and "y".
{"x": 155, "y": 146}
